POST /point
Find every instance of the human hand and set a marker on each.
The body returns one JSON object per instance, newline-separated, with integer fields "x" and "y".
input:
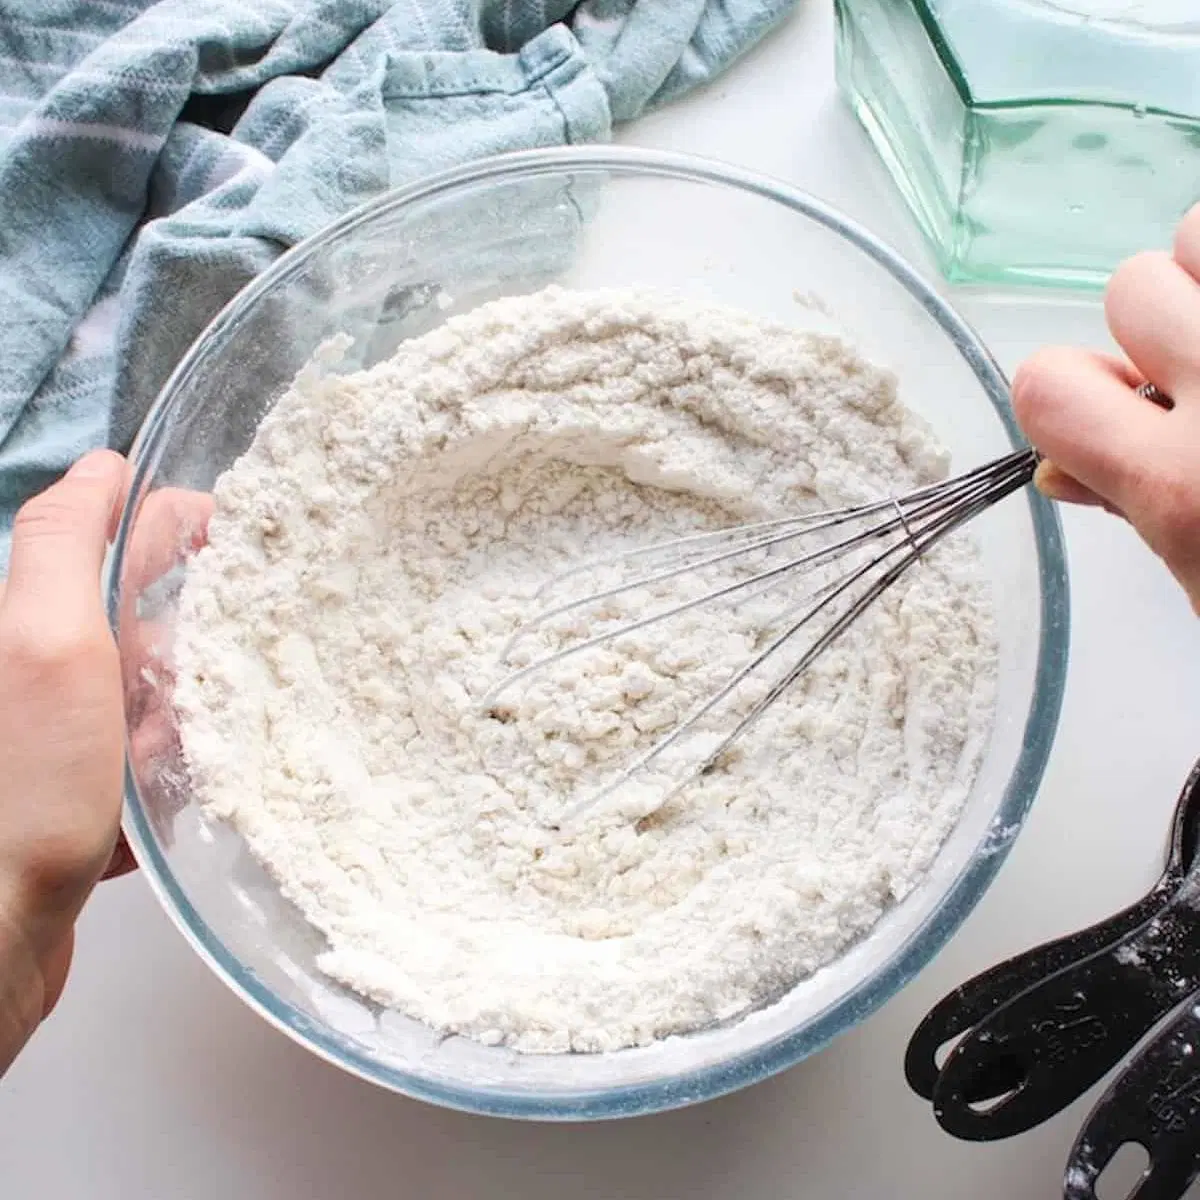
{"x": 63, "y": 700}
{"x": 1106, "y": 445}
{"x": 61, "y": 745}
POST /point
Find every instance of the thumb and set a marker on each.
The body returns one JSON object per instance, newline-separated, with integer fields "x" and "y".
{"x": 58, "y": 545}
{"x": 1055, "y": 484}
{"x": 1083, "y": 413}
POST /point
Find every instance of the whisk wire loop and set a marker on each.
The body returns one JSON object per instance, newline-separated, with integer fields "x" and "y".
{"x": 903, "y": 528}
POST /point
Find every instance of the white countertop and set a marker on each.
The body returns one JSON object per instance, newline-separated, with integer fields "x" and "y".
{"x": 152, "y": 1082}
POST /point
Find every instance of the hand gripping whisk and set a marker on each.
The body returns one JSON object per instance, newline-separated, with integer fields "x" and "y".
{"x": 885, "y": 538}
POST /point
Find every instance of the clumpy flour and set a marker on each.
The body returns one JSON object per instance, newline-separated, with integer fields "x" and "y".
{"x": 373, "y": 552}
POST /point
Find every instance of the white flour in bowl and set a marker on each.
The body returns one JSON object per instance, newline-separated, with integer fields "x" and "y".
{"x": 377, "y": 546}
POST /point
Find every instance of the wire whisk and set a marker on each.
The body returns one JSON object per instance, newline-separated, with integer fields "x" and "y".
{"x": 882, "y": 540}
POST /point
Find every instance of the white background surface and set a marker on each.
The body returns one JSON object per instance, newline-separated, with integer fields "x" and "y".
{"x": 152, "y": 1082}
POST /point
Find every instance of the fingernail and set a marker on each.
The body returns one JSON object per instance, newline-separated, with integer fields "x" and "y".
{"x": 1050, "y": 481}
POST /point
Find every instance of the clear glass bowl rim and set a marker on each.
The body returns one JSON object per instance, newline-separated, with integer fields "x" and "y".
{"x": 762, "y": 1061}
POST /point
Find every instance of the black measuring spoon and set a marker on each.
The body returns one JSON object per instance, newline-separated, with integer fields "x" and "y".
{"x": 965, "y": 1007}
{"x": 1154, "y": 1103}
{"x": 1060, "y": 1036}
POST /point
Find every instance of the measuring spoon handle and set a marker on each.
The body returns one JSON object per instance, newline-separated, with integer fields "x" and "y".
{"x": 1058, "y": 1038}
{"x": 978, "y": 998}
{"x": 1154, "y": 1102}
{"x": 966, "y": 1006}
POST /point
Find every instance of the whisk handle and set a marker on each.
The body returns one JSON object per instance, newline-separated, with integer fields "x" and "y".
{"x": 1149, "y": 392}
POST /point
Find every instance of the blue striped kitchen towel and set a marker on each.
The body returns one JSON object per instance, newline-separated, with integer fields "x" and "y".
{"x": 155, "y": 156}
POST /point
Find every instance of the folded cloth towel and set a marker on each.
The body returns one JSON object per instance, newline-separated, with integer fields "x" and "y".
{"x": 154, "y": 157}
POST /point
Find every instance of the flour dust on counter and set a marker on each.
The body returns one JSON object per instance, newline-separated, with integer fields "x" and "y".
{"x": 374, "y": 551}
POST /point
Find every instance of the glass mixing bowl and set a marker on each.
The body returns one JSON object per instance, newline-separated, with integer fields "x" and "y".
{"x": 401, "y": 265}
